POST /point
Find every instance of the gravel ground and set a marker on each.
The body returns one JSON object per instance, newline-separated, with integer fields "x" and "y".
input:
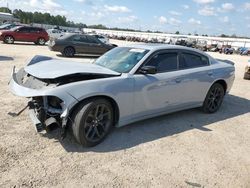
{"x": 184, "y": 149}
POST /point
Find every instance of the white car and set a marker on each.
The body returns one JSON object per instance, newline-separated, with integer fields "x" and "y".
{"x": 55, "y": 33}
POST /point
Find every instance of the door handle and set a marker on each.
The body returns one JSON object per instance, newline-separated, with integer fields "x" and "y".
{"x": 210, "y": 73}
{"x": 178, "y": 80}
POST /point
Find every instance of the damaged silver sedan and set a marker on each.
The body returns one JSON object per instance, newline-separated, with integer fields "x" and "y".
{"x": 125, "y": 85}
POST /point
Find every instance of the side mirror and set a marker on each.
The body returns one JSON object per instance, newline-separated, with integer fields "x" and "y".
{"x": 17, "y": 30}
{"x": 148, "y": 70}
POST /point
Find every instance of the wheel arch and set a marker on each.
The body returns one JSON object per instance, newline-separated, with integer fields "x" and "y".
{"x": 110, "y": 99}
{"x": 223, "y": 83}
{"x": 7, "y": 35}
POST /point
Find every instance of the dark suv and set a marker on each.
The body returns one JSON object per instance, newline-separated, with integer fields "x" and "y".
{"x": 25, "y": 34}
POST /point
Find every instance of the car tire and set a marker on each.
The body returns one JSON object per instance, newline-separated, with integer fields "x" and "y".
{"x": 213, "y": 98}
{"x": 69, "y": 51}
{"x": 92, "y": 121}
{"x": 41, "y": 41}
{"x": 9, "y": 39}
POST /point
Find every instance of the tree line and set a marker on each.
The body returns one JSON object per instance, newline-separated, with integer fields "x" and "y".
{"x": 41, "y": 18}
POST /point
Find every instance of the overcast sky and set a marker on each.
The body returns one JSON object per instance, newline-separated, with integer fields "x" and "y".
{"x": 211, "y": 17}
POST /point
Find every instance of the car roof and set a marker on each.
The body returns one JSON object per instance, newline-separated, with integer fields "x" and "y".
{"x": 20, "y": 26}
{"x": 154, "y": 47}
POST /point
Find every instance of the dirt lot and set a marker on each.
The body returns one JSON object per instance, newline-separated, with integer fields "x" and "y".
{"x": 184, "y": 149}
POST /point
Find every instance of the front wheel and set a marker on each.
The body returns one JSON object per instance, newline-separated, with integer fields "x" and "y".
{"x": 9, "y": 40}
{"x": 92, "y": 121}
{"x": 214, "y": 98}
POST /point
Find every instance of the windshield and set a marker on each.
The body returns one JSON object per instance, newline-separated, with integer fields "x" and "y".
{"x": 121, "y": 59}
{"x": 4, "y": 26}
{"x": 14, "y": 28}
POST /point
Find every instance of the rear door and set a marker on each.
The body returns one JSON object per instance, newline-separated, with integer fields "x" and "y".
{"x": 34, "y": 34}
{"x": 161, "y": 91}
{"x": 80, "y": 43}
{"x": 195, "y": 77}
{"x": 96, "y": 46}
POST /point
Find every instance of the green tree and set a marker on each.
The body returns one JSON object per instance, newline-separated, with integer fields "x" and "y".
{"x": 5, "y": 10}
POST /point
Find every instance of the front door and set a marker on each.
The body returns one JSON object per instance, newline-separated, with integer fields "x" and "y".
{"x": 23, "y": 34}
{"x": 161, "y": 91}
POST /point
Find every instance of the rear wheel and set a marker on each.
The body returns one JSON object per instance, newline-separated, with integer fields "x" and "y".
{"x": 41, "y": 41}
{"x": 92, "y": 121}
{"x": 9, "y": 39}
{"x": 214, "y": 98}
{"x": 69, "y": 52}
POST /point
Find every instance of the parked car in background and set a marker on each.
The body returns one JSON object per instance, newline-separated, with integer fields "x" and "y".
{"x": 102, "y": 38}
{"x": 243, "y": 51}
{"x": 125, "y": 85}
{"x": 227, "y": 49}
{"x": 8, "y": 26}
{"x": 214, "y": 48}
{"x": 191, "y": 43}
{"x": 55, "y": 33}
{"x": 201, "y": 45}
{"x": 247, "y": 71}
{"x": 24, "y": 34}
{"x": 72, "y": 44}
{"x": 181, "y": 41}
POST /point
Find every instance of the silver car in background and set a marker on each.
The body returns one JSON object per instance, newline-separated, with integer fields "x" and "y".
{"x": 124, "y": 85}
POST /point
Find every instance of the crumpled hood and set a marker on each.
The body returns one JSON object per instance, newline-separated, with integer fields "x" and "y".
{"x": 54, "y": 68}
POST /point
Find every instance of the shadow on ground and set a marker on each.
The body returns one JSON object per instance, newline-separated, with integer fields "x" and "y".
{"x": 24, "y": 44}
{"x": 6, "y": 58}
{"x": 159, "y": 127}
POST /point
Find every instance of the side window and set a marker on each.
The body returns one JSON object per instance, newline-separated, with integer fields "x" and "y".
{"x": 34, "y": 30}
{"x": 189, "y": 60}
{"x": 164, "y": 62}
{"x": 24, "y": 30}
{"x": 77, "y": 38}
{"x": 84, "y": 39}
{"x": 93, "y": 40}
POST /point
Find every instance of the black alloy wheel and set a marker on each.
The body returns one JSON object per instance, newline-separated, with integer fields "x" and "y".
{"x": 69, "y": 52}
{"x": 92, "y": 121}
{"x": 214, "y": 98}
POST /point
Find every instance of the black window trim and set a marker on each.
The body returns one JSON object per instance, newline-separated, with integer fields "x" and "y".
{"x": 179, "y": 56}
{"x": 164, "y": 51}
{"x": 192, "y": 53}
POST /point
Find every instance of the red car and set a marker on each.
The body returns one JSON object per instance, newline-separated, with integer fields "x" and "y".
{"x": 25, "y": 34}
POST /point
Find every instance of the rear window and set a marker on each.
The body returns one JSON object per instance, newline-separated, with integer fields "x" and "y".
{"x": 92, "y": 40}
{"x": 190, "y": 60}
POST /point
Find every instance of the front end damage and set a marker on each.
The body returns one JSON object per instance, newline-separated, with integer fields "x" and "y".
{"x": 46, "y": 111}
{"x": 48, "y": 84}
